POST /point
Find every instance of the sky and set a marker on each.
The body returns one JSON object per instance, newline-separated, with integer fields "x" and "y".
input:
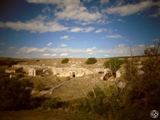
{"x": 77, "y": 28}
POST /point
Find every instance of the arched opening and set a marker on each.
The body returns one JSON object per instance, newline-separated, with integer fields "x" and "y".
{"x": 74, "y": 74}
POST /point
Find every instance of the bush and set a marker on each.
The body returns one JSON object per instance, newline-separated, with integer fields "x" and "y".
{"x": 53, "y": 103}
{"x": 113, "y": 64}
{"x": 65, "y": 60}
{"x": 15, "y": 94}
{"x": 104, "y": 103}
{"x": 91, "y": 61}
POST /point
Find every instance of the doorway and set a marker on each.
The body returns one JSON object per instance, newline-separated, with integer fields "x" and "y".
{"x": 74, "y": 74}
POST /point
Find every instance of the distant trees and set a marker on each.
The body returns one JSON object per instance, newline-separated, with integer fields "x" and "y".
{"x": 65, "y": 60}
{"x": 91, "y": 61}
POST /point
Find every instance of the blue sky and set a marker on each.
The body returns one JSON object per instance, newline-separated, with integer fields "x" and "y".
{"x": 77, "y": 28}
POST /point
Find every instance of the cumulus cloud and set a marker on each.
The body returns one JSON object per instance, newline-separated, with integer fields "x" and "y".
{"x": 65, "y": 37}
{"x": 71, "y": 9}
{"x": 104, "y": 1}
{"x": 49, "y": 44}
{"x": 91, "y": 49}
{"x": 100, "y": 30}
{"x": 129, "y": 9}
{"x": 114, "y": 36}
{"x": 63, "y": 54}
{"x": 119, "y": 50}
{"x": 79, "y": 29}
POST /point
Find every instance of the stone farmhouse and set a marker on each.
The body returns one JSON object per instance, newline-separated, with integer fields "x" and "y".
{"x": 35, "y": 71}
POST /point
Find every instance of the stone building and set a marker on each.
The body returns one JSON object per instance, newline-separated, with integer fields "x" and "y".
{"x": 35, "y": 71}
{"x": 71, "y": 72}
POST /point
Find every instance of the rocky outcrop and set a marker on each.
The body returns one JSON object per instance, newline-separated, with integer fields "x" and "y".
{"x": 106, "y": 75}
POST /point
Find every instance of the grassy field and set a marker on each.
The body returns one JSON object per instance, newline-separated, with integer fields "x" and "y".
{"x": 58, "y": 114}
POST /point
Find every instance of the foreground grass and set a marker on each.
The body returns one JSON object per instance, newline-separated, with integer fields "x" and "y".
{"x": 46, "y": 115}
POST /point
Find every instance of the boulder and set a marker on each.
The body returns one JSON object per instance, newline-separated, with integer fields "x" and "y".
{"x": 106, "y": 75}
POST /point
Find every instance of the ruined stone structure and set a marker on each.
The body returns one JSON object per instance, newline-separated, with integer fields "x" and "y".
{"x": 71, "y": 72}
{"x": 35, "y": 71}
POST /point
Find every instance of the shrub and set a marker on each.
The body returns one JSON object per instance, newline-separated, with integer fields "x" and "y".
{"x": 91, "y": 61}
{"x": 114, "y": 64}
{"x": 65, "y": 60}
{"x": 15, "y": 94}
{"x": 105, "y": 103}
{"x": 53, "y": 103}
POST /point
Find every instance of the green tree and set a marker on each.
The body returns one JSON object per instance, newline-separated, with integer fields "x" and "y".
{"x": 91, "y": 61}
{"x": 65, "y": 60}
{"x": 141, "y": 92}
{"x": 113, "y": 64}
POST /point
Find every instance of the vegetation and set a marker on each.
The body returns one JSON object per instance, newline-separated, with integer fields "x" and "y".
{"x": 15, "y": 94}
{"x": 65, "y": 60}
{"x": 134, "y": 101}
{"x": 139, "y": 96}
{"x": 91, "y": 61}
{"x": 113, "y": 64}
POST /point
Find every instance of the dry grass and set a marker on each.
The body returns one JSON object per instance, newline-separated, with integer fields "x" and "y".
{"x": 78, "y": 87}
{"x": 51, "y": 62}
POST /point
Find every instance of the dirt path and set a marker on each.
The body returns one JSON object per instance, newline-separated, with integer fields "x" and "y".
{"x": 58, "y": 86}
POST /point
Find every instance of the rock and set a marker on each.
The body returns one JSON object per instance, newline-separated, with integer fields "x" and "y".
{"x": 121, "y": 84}
{"x": 106, "y": 75}
{"x": 111, "y": 79}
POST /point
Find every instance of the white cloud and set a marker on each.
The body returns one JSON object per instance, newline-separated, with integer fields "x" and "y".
{"x": 49, "y": 55}
{"x": 49, "y": 44}
{"x": 129, "y": 9}
{"x": 53, "y": 54}
{"x": 63, "y": 54}
{"x": 120, "y": 20}
{"x": 119, "y": 50}
{"x": 63, "y": 45}
{"x": 91, "y": 49}
{"x": 46, "y": 9}
{"x": 71, "y": 9}
{"x": 120, "y": 2}
{"x": 65, "y": 37}
{"x": 114, "y": 36}
{"x": 46, "y": 55}
{"x": 35, "y": 25}
{"x": 87, "y": 1}
{"x": 78, "y": 29}
{"x": 104, "y": 1}
{"x": 100, "y": 30}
